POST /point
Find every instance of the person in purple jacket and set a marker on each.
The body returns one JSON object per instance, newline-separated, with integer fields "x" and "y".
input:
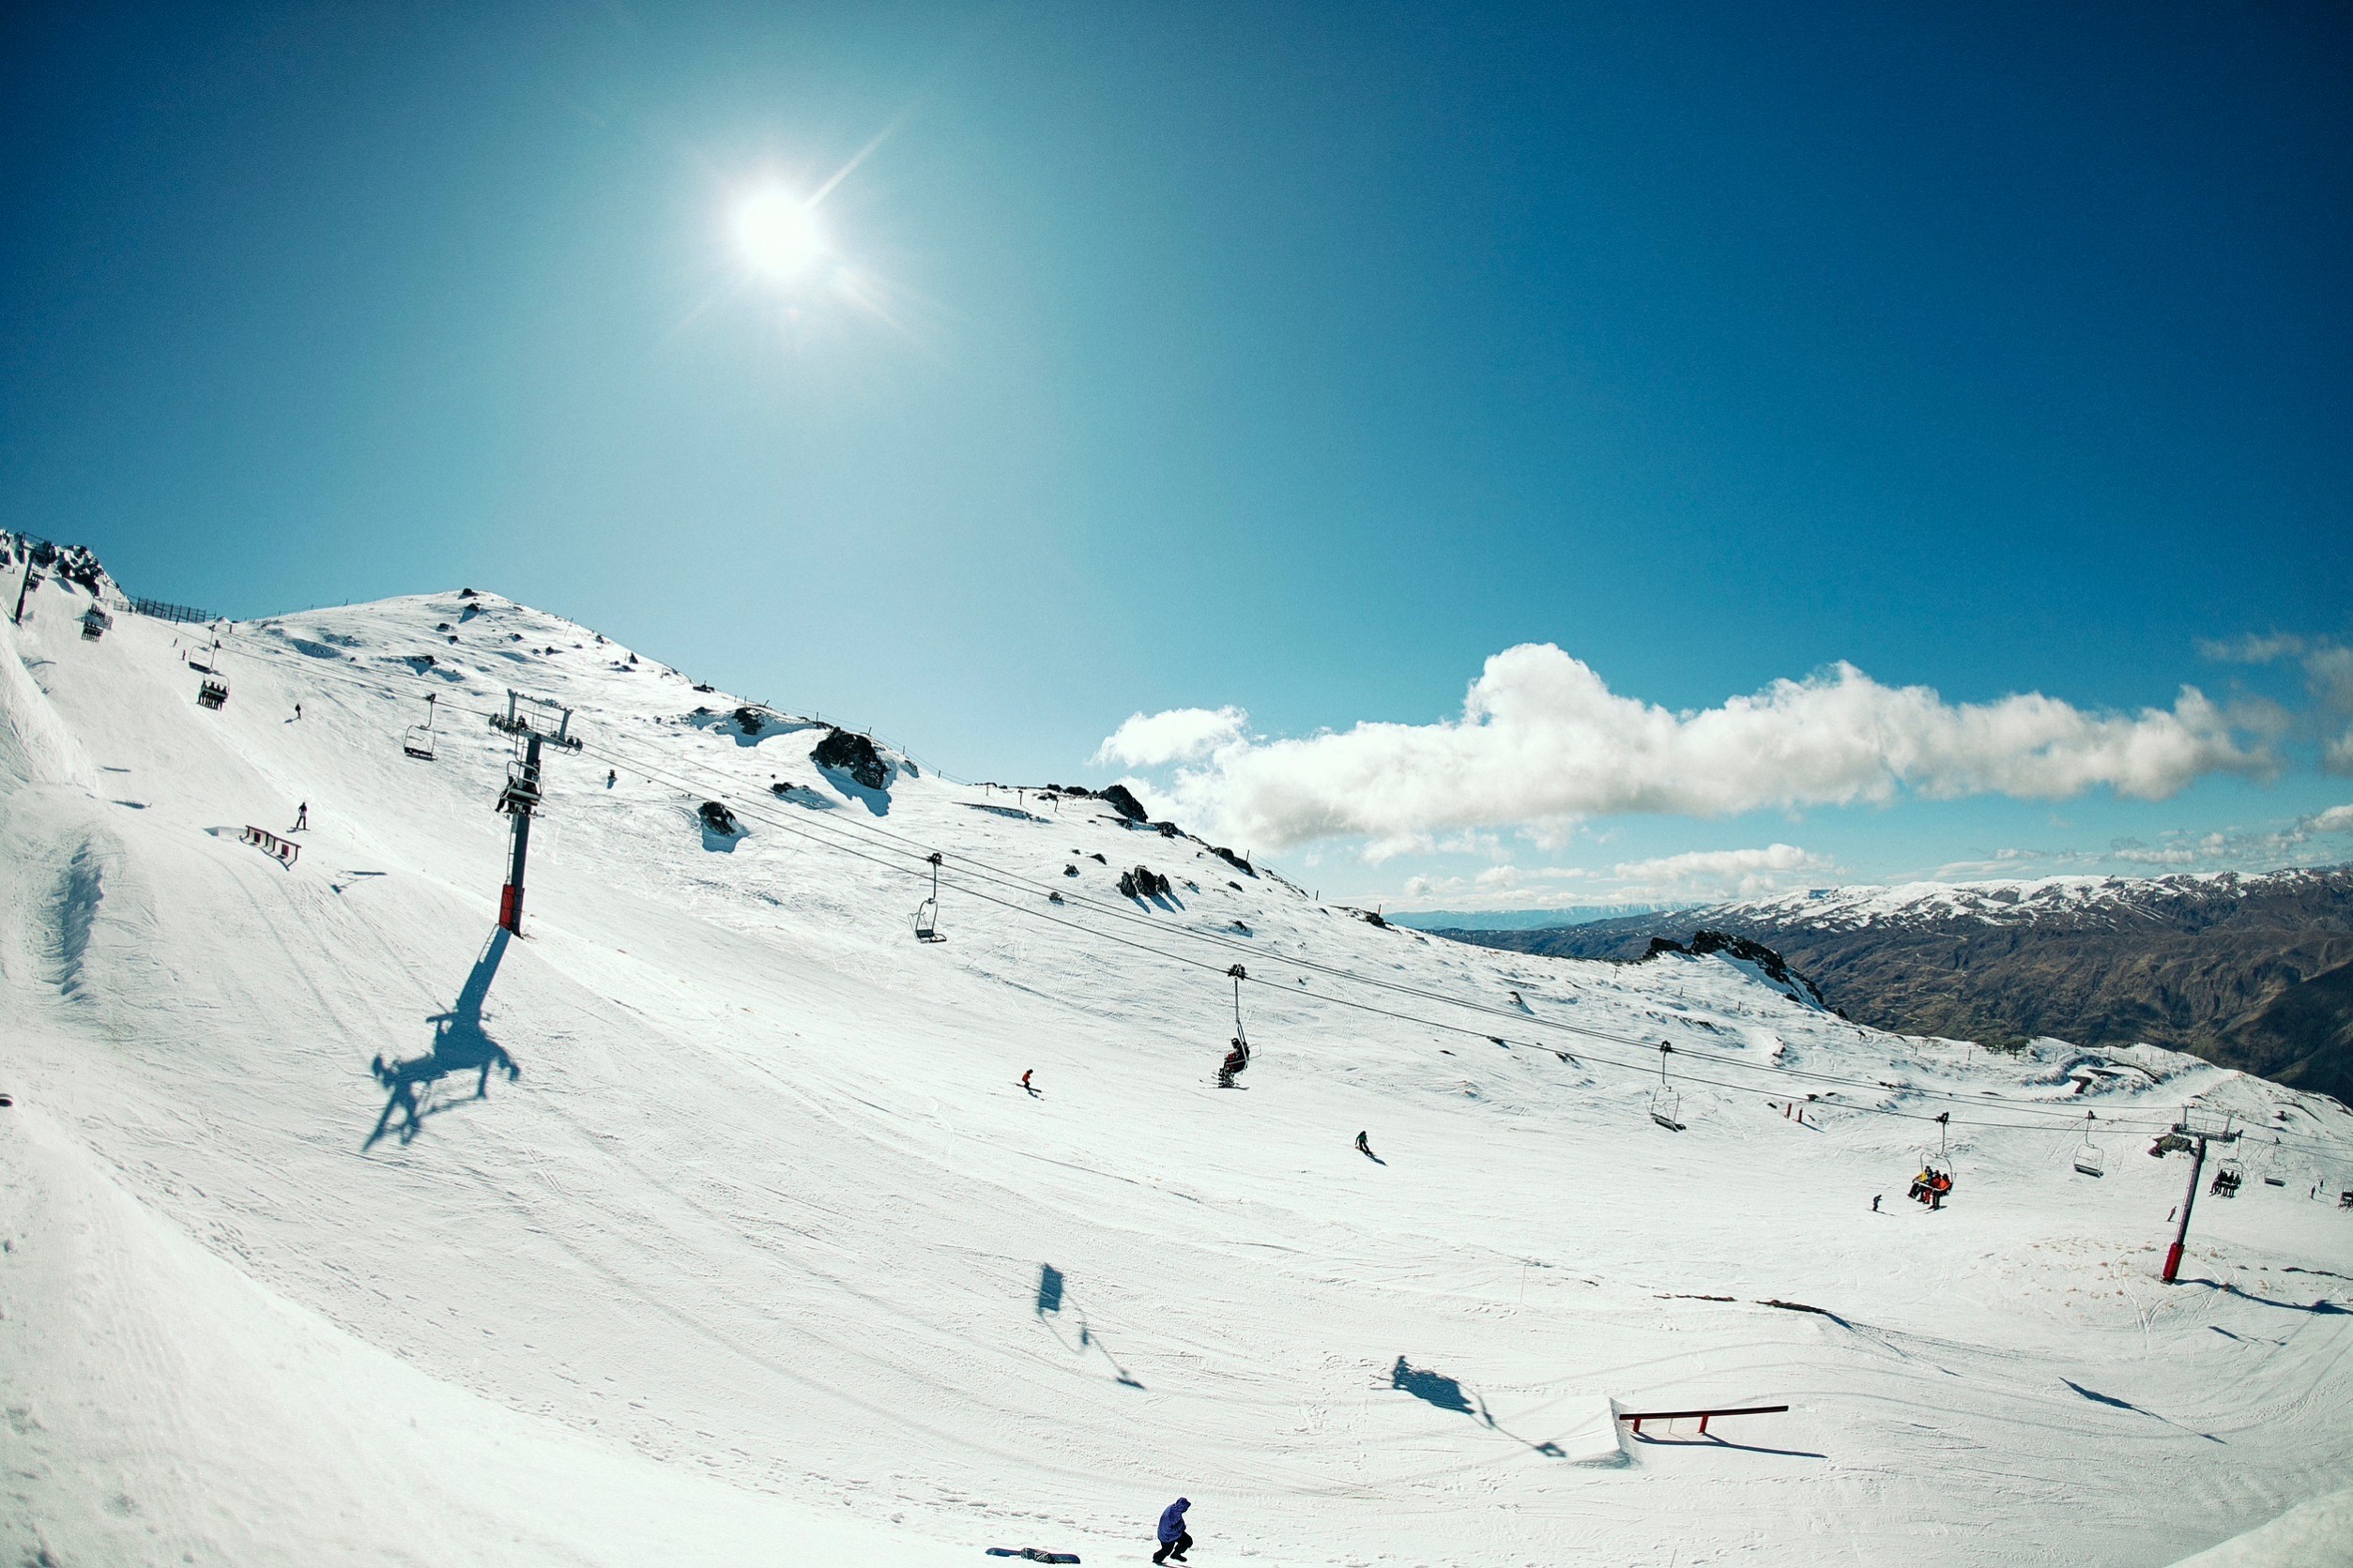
{"x": 1174, "y": 1541}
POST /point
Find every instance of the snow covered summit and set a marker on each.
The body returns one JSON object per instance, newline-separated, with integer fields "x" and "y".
{"x": 710, "y": 1222}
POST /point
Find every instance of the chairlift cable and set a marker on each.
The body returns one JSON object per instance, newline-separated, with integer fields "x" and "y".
{"x": 999, "y": 875}
{"x": 991, "y": 872}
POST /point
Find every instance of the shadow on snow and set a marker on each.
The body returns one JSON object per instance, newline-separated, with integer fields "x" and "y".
{"x": 459, "y": 1045}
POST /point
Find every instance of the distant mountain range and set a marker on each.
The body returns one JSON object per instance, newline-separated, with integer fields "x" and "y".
{"x": 1521, "y": 920}
{"x": 2253, "y": 972}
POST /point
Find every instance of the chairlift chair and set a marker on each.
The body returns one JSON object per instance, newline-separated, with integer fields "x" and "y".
{"x": 521, "y": 793}
{"x": 420, "y": 741}
{"x": 1238, "y": 1054}
{"x": 927, "y": 912}
{"x": 212, "y": 694}
{"x": 1934, "y": 1184}
{"x": 2227, "y": 1176}
{"x": 1666, "y": 1104}
{"x": 95, "y": 623}
{"x": 2088, "y": 1159}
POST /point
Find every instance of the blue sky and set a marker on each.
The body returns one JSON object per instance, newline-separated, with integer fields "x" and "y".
{"x": 1173, "y": 359}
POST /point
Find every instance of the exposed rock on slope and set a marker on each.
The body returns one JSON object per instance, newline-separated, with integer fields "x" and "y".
{"x": 855, "y": 755}
{"x": 2252, "y": 972}
{"x": 1118, "y": 797}
{"x": 1770, "y": 964}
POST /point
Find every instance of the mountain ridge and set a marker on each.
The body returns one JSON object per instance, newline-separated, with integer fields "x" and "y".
{"x": 2248, "y": 970}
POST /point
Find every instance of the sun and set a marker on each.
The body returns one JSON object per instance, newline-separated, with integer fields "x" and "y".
{"x": 778, "y": 234}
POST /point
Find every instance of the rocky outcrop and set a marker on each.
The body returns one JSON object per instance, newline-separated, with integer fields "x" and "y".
{"x": 853, "y": 754}
{"x": 717, "y": 817}
{"x": 1144, "y": 882}
{"x": 1768, "y": 962}
{"x": 1120, "y": 800}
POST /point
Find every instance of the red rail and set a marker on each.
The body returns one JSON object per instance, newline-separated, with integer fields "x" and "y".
{"x": 1638, "y": 1417}
{"x": 286, "y": 850}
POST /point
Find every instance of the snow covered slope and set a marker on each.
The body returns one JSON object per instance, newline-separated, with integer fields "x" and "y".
{"x": 709, "y": 1221}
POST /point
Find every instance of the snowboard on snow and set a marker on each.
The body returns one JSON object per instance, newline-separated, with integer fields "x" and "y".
{"x": 1036, "y": 1554}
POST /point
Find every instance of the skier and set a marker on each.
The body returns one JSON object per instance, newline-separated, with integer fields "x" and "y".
{"x": 1363, "y": 1148}
{"x": 612, "y": 777}
{"x": 298, "y": 711}
{"x": 1174, "y": 1541}
{"x": 1027, "y": 1086}
{"x": 1874, "y": 1202}
{"x": 302, "y": 817}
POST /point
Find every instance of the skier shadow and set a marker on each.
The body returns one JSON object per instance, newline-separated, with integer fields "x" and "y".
{"x": 1052, "y": 1285}
{"x": 459, "y": 1045}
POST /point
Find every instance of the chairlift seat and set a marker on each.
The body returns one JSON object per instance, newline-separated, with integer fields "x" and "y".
{"x": 421, "y": 741}
{"x": 928, "y": 921}
{"x": 212, "y": 694}
{"x": 2089, "y": 1164}
{"x": 1666, "y": 1108}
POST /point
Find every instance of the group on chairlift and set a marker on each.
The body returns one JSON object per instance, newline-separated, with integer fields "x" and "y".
{"x": 1933, "y": 1183}
{"x": 2227, "y": 1177}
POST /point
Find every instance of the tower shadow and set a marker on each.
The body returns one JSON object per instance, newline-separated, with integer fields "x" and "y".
{"x": 1052, "y": 1299}
{"x": 460, "y": 1045}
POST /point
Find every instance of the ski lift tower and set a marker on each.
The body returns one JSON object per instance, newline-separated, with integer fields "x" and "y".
{"x": 533, "y": 722}
{"x": 32, "y": 579}
{"x": 2199, "y": 1126}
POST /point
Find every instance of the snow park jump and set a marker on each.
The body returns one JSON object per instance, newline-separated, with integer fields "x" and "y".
{"x": 709, "y": 1221}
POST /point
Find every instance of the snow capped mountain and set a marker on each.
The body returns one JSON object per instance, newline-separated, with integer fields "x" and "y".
{"x": 710, "y": 1220}
{"x": 2074, "y": 899}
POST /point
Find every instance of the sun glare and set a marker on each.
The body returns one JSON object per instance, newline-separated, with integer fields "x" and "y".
{"x": 778, "y": 234}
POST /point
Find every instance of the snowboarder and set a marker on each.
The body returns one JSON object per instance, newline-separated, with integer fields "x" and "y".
{"x": 1874, "y": 1201}
{"x": 1363, "y": 1148}
{"x": 1174, "y": 1541}
{"x": 302, "y": 817}
{"x": 1027, "y": 1086}
{"x": 298, "y": 711}
{"x": 612, "y": 777}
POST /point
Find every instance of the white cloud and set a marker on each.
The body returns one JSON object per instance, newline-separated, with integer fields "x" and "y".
{"x": 1177, "y": 735}
{"x": 2252, "y": 649}
{"x": 2329, "y": 675}
{"x": 2328, "y": 667}
{"x": 1735, "y": 873}
{"x": 1543, "y": 741}
{"x": 2212, "y": 847}
{"x": 2336, "y": 819}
